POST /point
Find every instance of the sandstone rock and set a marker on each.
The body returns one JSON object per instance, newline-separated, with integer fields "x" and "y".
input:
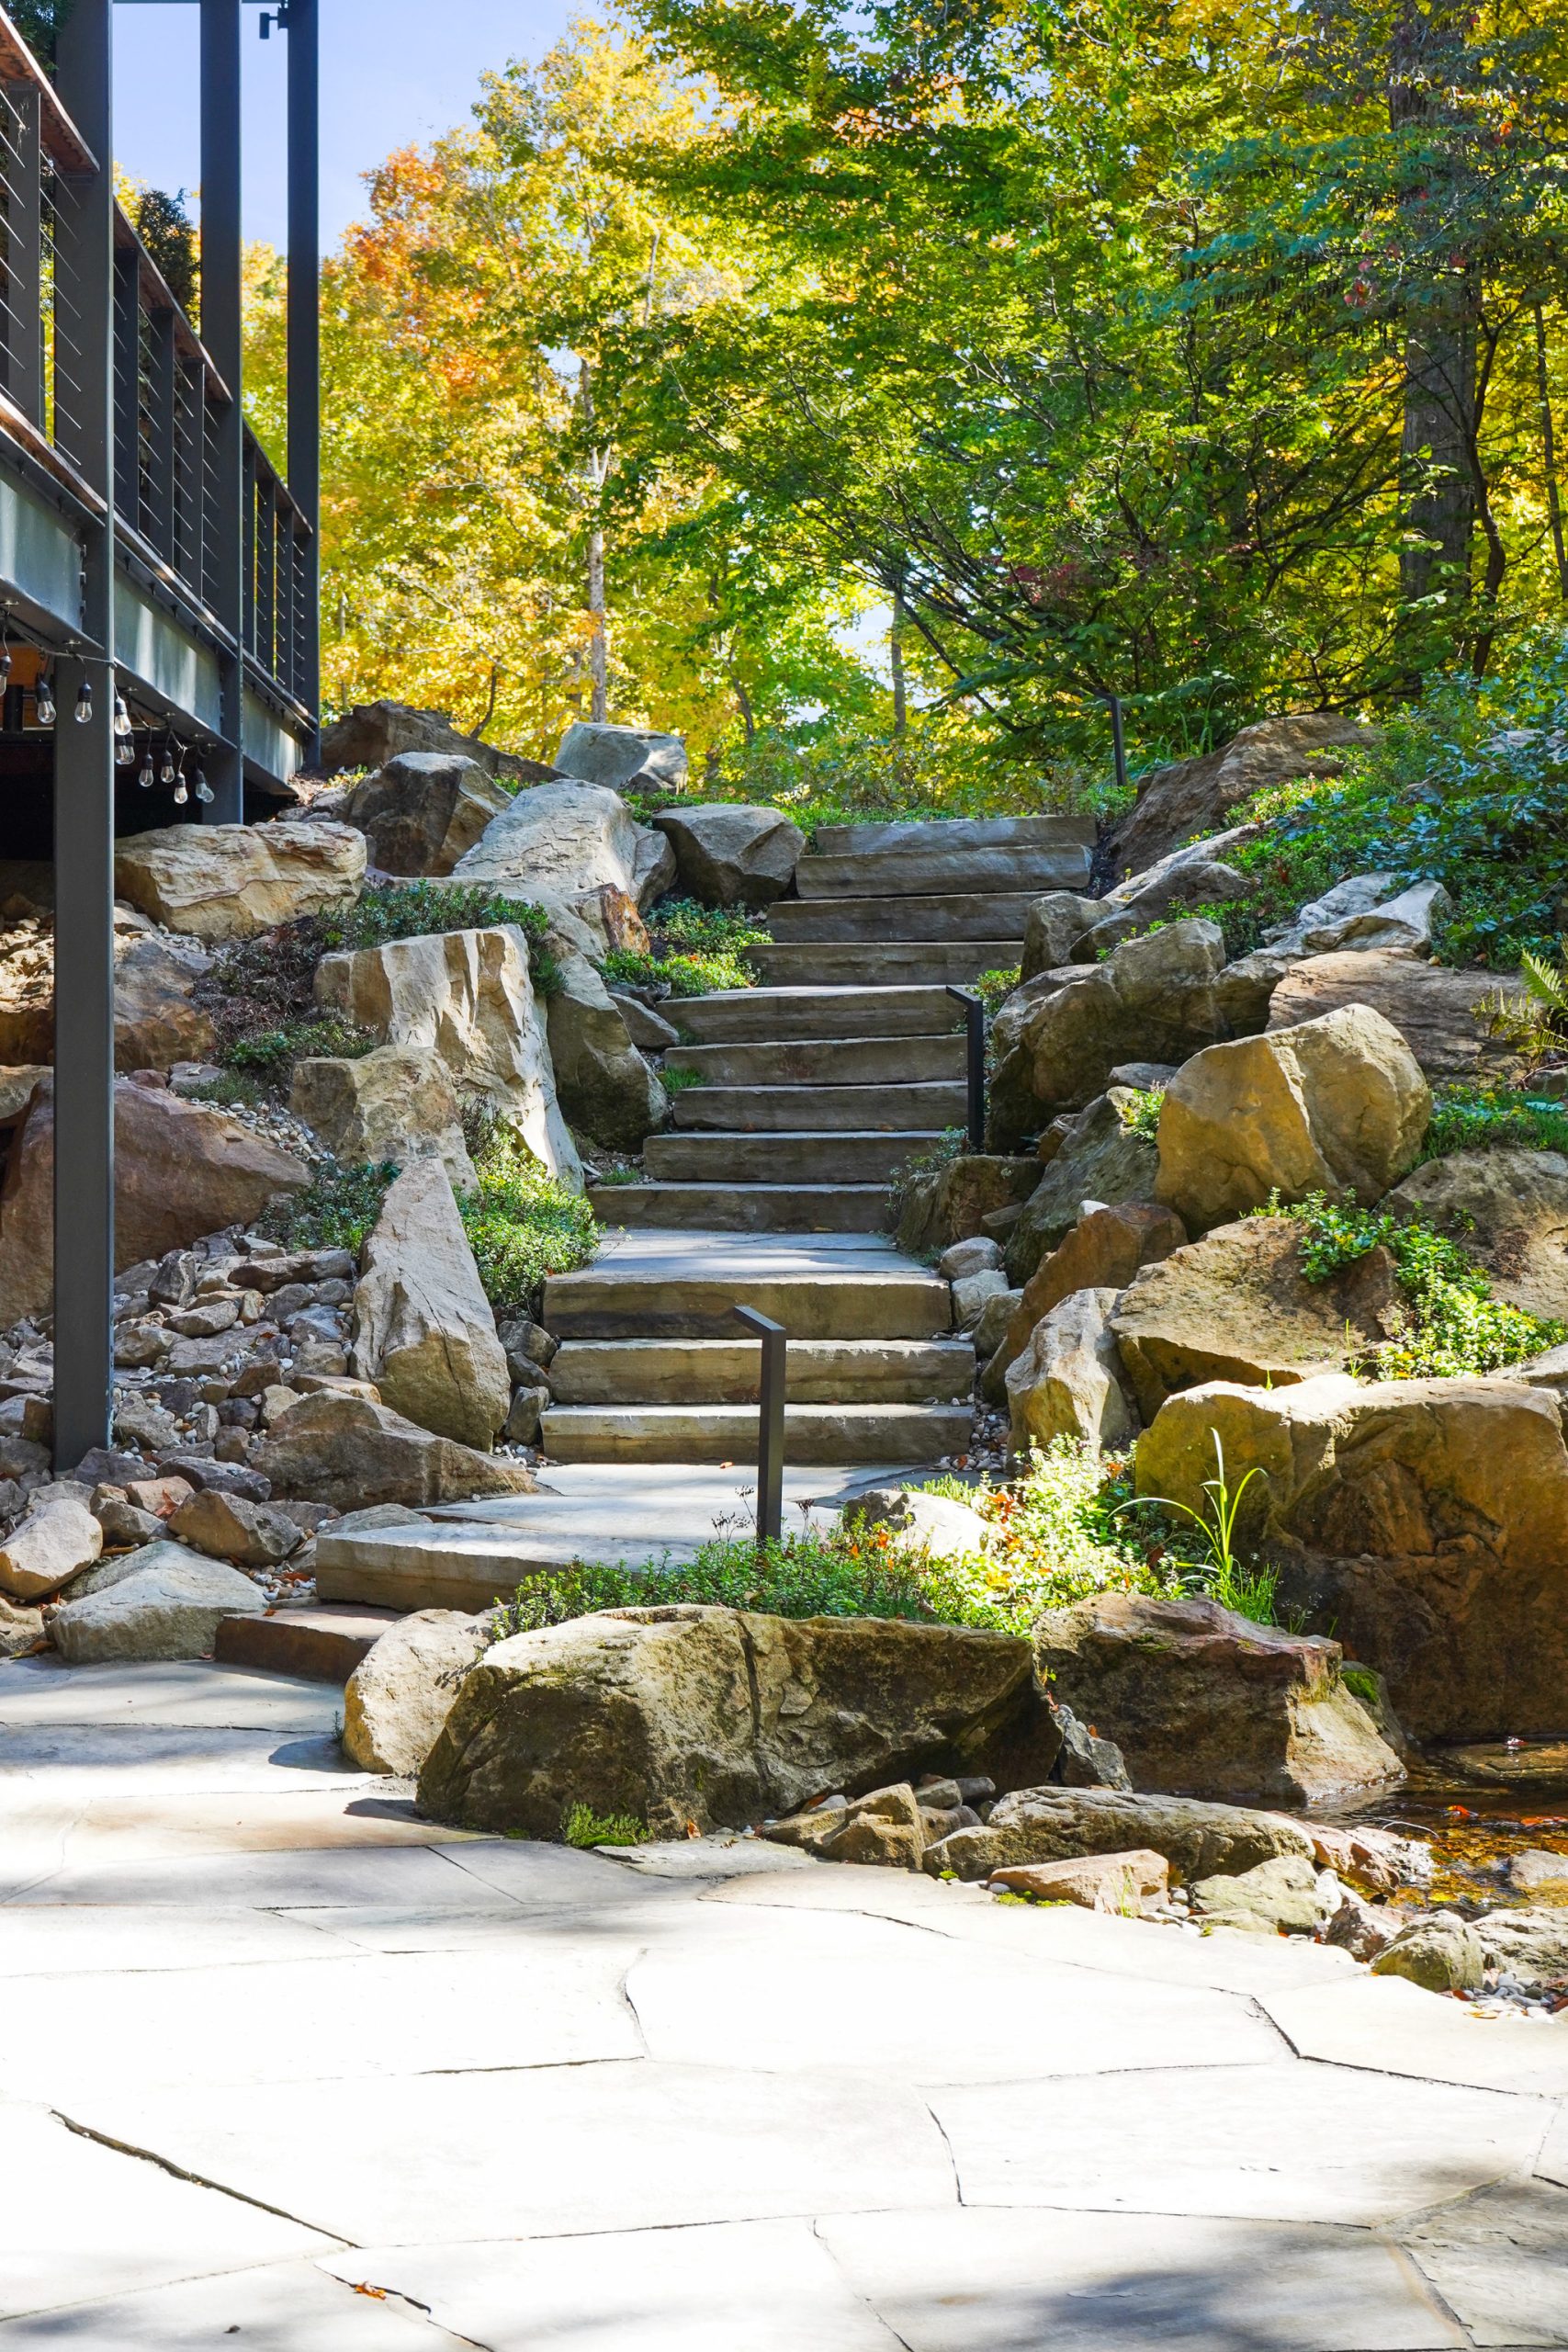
{"x": 604, "y": 1085}
{"x": 529, "y": 1348}
{"x": 157, "y": 1021}
{"x": 1086, "y": 1761}
{"x": 950, "y": 1203}
{"x": 624, "y": 758}
{"x": 975, "y": 1255}
{"x": 1373, "y": 1860}
{"x": 1433, "y": 1010}
{"x": 161, "y": 1602}
{"x": 226, "y": 1527}
{"x": 564, "y": 841}
{"x": 1153, "y": 999}
{"x": 1238, "y": 1307}
{"x": 54, "y": 1542}
{"x": 468, "y": 998}
{"x": 424, "y": 811}
{"x": 1196, "y": 873}
{"x": 1068, "y": 1382}
{"x": 280, "y": 1272}
{"x": 1205, "y": 1703}
{"x": 1194, "y": 797}
{"x": 647, "y": 1030}
{"x": 711, "y": 1716}
{"x": 1425, "y": 1521}
{"x": 935, "y": 1523}
{"x": 231, "y": 881}
{"x": 345, "y": 1451}
{"x": 1051, "y": 1824}
{"x": 1442, "y": 1953}
{"x": 1529, "y": 1946}
{"x": 394, "y": 1104}
{"x": 1056, "y": 922}
{"x": 1508, "y": 1210}
{"x": 1277, "y": 1895}
{"x": 1336, "y": 1104}
{"x": 181, "y": 1170}
{"x": 124, "y": 1526}
{"x": 1102, "y": 1252}
{"x": 219, "y": 1477}
{"x": 1359, "y": 1928}
{"x": 401, "y": 1692}
{"x": 424, "y": 1330}
{"x": 995, "y": 1320}
{"x": 885, "y": 1826}
{"x": 1125, "y": 1883}
{"x": 1101, "y": 1160}
{"x": 526, "y": 1411}
{"x": 970, "y": 1294}
{"x": 1404, "y": 923}
{"x": 21, "y": 1629}
{"x": 370, "y": 734}
{"x": 730, "y": 854}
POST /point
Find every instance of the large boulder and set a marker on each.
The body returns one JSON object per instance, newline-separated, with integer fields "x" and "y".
{"x": 569, "y": 841}
{"x": 1237, "y": 1306}
{"x": 1104, "y": 1250}
{"x": 371, "y": 734}
{"x": 182, "y": 1170}
{"x": 159, "y": 1602}
{"x": 1101, "y": 1159}
{"x": 1056, "y": 925}
{"x": 951, "y": 1203}
{"x": 715, "y": 1716}
{"x": 424, "y": 811}
{"x": 624, "y": 758}
{"x": 231, "y": 881}
{"x": 157, "y": 1021}
{"x": 730, "y": 854}
{"x": 1068, "y": 1380}
{"x": 467, "y": 997}
{"x": 1425, "y": 1521}
{"x": 1195, "y": 796}
{"x": 1205, "y": 1703}
{"x": 1368, "y": 913}
{"x": 604, "y": 1087}
{"x": 1434, "y": 1010}
{"x": 424, "y": 1330}
{"x": 1052, "y": 1824}
{"x": 1508, "y": 1210}
{"x": 1338, "y": 1104}
{"x": 397, "y": 1103}
{"x": 402, "y": 1689}
{"x": 53, "y": 1543}
{"x": 341, "y": 1449}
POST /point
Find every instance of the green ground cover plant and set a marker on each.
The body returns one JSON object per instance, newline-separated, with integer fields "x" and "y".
{"x": 389, "y": 910}
{"x": 583, "y": 1826}
{"x": 992, "y": 988}
{"x": 692, "y": 950}
{"x": 1487, "y": 1118}
{"x": 1141, "y": 1114}
{"x": 336, "y": 1210}
{"x": 271, "y": 1054}
{"x": 523, "y": 1223}
{"x": 1057, "y": 1534}
{"x": 1454, "y": 1324}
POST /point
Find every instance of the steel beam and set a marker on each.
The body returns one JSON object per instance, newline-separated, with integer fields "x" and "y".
{"x": 84, "y": 794}
{"x": 304, "y": 461}
{"x": 222, "y": 331}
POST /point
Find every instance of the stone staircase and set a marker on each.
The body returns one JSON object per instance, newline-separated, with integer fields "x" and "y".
{"x": 768, "y": 1190}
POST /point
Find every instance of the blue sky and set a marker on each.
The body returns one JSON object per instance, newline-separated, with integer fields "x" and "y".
{"x": 392, "y": 72}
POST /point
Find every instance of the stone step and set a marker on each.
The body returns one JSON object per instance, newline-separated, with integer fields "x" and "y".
{"x": 315, "y": 1645}
{"x": 922, "y": 873}
{"x": 861, "y": 963}
{"x": 949, "y": 833}
{"x": 687, "y": 1286}
{"x": 823, "y": 1433}
{"x": 824, "y": 1061}
{"x": 763, "y": 1016}
{"x": 743, "y": 1208}
{"x": 698, "y": 1157}
{"x": 765, "y": 1109}
{"x": 726, "y": 1372}
{"x": 975, "y": 915}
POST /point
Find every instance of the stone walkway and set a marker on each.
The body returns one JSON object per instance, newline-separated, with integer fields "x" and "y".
{"x": 287, "y": 2067}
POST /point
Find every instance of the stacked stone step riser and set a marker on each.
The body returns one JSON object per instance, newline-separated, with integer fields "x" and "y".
{"x": 956, "y": 963}
{"x": 742, "y": 1208}
{"x": 770, "y": 1108}
{"x": 722, "y": 1372}
{"x": 719, "y": 1159}
{"x": 819, "y": 1434}
{"x": 824, "y": 1061}
{"x": 597, "y": 1305}
{"x": 746, "y": 1016}
{"x": 975, "y": 915}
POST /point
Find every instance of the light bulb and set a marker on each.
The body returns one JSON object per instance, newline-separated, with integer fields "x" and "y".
{"x": 167, "y": 771}
{"x": 122, "y": 716}
{"x": 204, "y": 791}
{"x": 85, "y": 704}
{"x": 181, "y": 794}
{"x": 144, "y": 772}
{"x": 4, "y": 667}
{"x": 124, "y": 752}
{"x": 43, "y": 701}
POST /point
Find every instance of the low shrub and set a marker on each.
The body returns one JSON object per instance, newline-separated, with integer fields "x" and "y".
{"x": 704, "y": 975}
{"x": 1141, "y": 1115}
{"x": 271, "y": 1054}
{"x": 1485, "y": 1118}
{"x": 523, "y": 1223}
{"x": 994, "y": 987}
{"x": 389, "y": 910}
{"x": 585, "y": 1827}
{"x": 336, "y": 1210}
{"x": 1059, "y": 1534}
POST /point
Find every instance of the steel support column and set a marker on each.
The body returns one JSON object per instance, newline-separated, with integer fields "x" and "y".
{"x": 221, "y": 259}
{"x": 304, "y": 462}
{"x": 84, "y": 794}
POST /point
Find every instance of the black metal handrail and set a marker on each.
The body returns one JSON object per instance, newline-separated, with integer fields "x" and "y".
{"x": 770, "y": 1421}
{"x": 975, "y": 1031}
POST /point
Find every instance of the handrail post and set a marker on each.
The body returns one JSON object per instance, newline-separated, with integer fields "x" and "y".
{"x": 975, "y": 1030}
{"x": 770, "y": 1422}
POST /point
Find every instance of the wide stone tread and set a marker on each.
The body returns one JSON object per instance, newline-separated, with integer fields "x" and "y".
{"x": 922, "y": 873}
{"x": 698, "y": 1157}
{"x": 849, "y": 964}
{"x": 726, "y": 1372}
{"x": 944, "y": 834}
{"x": 767, "y": 1015}
{"x": 820, "y": 1433}
{"x": 599, "y": 1304}
{"x": 824, "y": 1061}
{"x": 770, "y": 1108}
{"x": 973, "y": 915}
{"x": 743, "y": 1208}
{"x": 314, "y": 1645}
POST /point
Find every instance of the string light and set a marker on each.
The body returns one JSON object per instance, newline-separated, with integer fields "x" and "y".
{"x": 43, "y": 700}
{"x": 166, "y": 768}
{"x": 144, "y": 772}
{"x": 204, "y": 791}
{"x": 122, "y": 716}
{"x": 125, "y": 750}
{"x": 182, "y": 790}
{"x": 85, "y": 704}
{"x": 5, "y": 654}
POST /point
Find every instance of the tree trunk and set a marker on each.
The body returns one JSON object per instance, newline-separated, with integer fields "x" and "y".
{"x": 1549, "y": 455}
{"x": 896, "y": 660}
{"x": 598, "y": 645}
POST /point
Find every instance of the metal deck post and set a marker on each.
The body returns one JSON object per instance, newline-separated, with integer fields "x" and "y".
{"x": 222, "y": 258}
{"x": 83, "y": 793}
{"x": 770, "y": 1422}
{"x": 304, "y": 460}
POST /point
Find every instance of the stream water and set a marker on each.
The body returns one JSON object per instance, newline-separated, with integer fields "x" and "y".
{"x": 1479, "y": 1806}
